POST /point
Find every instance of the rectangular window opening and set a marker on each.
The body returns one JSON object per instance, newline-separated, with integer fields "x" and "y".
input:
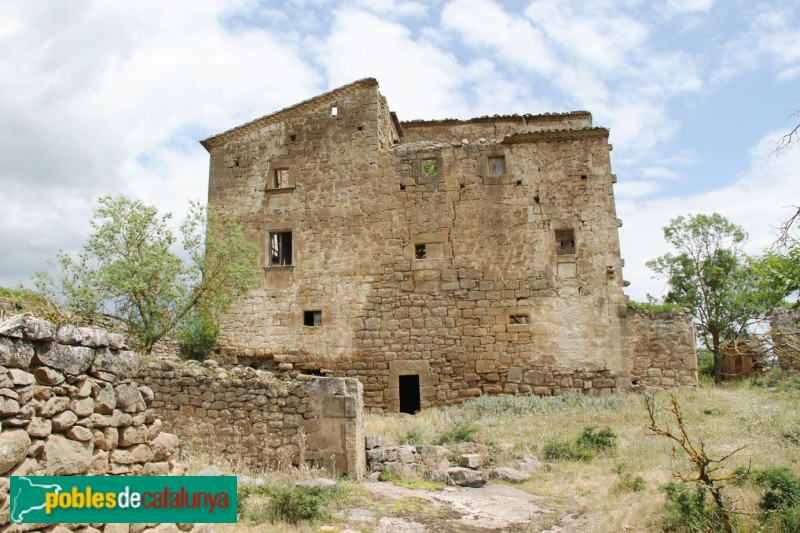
{"x": 518, "y": 319}
{"x": 430, "y": 167}
{"x": 420, "y": 251}
{"x": 497, "y": 165}
{"x": 281, "y": 178}
{"x": 280, "y": 249}
{"x": 334, "y": 111}
{"x": 584, "y": 177}
{"x": 565, "y": 242}
{"x": 312, "y": 318}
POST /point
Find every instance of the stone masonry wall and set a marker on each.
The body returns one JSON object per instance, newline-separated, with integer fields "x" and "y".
{"x": 69, "y": 406}
{"x": 663, "y": 348}
{"x": 519, "y": 288}
{"x": 248, "y": 415}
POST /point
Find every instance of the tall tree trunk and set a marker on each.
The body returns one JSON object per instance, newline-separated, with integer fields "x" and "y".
{"x": 717, "y": 358}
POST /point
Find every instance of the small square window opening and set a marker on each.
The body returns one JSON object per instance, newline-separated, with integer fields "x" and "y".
{"x": 312, "y": 318}
{"x": 420, "y": 251}
{"x": 281, "y": 178}
{"x": 565, "y": 242}
{"x": 497, "y": 165}
{"x": 517, "y": 319}
{"x": 430, "y": 167}
{"x": 280, "y": 249}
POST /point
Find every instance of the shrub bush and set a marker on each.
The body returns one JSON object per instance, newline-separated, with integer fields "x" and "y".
{"x": 689, "y": 510}
{"x": 598, "y": 441}
{"x": 781, "y": 498}
{"x": 292, "y": 504}
{"x": 566, "y": 451}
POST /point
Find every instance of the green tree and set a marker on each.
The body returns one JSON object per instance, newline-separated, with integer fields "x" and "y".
{"x": 781, "y": 264}
{"x": 129, "y": 273}
{"x": 711, "y": 275}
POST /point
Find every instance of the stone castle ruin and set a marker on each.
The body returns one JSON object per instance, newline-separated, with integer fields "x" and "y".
{"x": 435, "y": 260}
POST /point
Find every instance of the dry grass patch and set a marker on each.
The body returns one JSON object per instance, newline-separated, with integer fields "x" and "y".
{"x": 763, "y": 419}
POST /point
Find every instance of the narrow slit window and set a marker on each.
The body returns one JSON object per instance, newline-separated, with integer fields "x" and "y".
{"x": 430, "y": 167}
{"x": 281, "y": 178}
{"x": 517, "y": 319}
{"x": 280, "y": 249}
{"x": 497, "y": 165}
{"x": 312, "y": 318}
{"x": 565, "y": 242}
{"x": 420, "y": 251}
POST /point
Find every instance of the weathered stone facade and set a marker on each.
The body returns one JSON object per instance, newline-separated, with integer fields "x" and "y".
{"x": 663, "y": 349}
{"x": 248, "y": 416}
{"x": 433, "y": 260}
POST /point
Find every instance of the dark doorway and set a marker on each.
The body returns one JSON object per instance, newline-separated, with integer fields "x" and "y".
{"x": 409, "y": 394}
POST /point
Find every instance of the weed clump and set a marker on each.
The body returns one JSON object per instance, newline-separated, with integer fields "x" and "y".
{"x": 628, "y": 482}
{"x": 284, "y": 503}
{"x": 566, "y": 451}
{"x": 463, "y": 432}
{"x": 584, "y": 448}
{"x": 412, "y": 436}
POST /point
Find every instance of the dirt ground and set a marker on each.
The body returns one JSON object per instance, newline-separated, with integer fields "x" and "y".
{"x": 492, "y": 507}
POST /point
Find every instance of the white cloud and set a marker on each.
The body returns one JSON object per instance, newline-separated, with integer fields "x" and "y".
{"x": 419, "y": 79}
{"x": 485, "y": 23}
{"x": 770, "y": 40}
{"x": 757, "y": 201}
{"x": 90, "y": 87}
{"x": 683, "y": 7}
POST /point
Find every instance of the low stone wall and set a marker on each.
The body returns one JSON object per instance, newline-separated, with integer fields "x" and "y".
{"x": 69, "y": 406}
{"x": 249, "y": 415}
{"x": 663, "y": 349}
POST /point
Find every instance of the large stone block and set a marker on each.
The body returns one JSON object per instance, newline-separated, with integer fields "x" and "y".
{"x": 73, "y": 360}
{"x": 64, "y": 457}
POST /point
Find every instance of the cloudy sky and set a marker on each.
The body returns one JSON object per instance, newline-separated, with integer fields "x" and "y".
{"x": 102, "y": 97}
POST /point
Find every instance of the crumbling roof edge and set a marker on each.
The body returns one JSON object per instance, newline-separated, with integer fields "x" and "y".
{"x": 281, "y": 114}
{"x": 527, "y": 117}
{"x": 556, "y": 135}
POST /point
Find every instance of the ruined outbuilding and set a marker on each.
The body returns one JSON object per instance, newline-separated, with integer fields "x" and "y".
{"x": 435, "y": 260}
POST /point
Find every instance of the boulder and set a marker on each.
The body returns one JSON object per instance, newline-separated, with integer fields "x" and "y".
{"x": 54, "y": 405}
{"x": 106, "y": 401}
{"x": 15, "y": 353}
{"x": 466, "y": 477}
{"x": 21, "y": 378}
{"x": 509, "y": 475}
{"x": 128, "y": 395}
{"x": 82, "y": 406}
{"x": 47, "y": 376}
{"x": 13, "y": 448}
{"x": 72, "y": 360}
{"x": 69, "y": 334}
{"x": 79, "y": 433}
{"x": 123, "y": 364}
{"x": 94, "y": 337}
{"x": 64, "y": 420}
{"x": 471, "y": 460}
{"x": 28, "y": 327}
{"x": 64, "y": 457}
{"x": 129, "y": 436}
{"x": 40, "y": 427}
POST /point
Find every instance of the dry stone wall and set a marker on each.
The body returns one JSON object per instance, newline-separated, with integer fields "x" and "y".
{"x": 663, "y": 348}
{"x": 69, "y": 406}
{"x": 247, "y": 415}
